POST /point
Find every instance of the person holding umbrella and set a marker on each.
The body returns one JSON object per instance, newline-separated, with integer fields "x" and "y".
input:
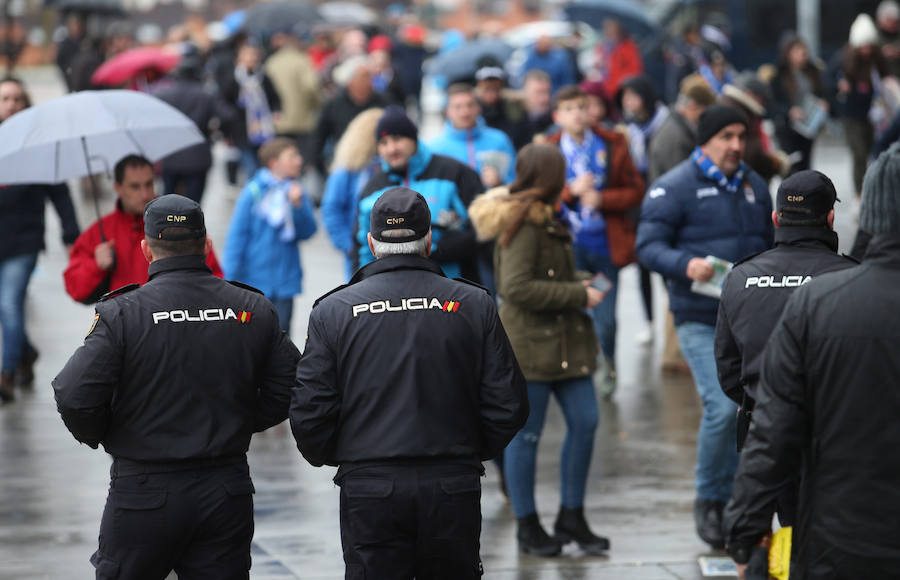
{"x": 21, "y": 239}
{"x": 108, "y": 254}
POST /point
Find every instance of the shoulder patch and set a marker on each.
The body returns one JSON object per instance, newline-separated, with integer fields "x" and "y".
{"x": 656, "y": 192}
{"x": 244, "y": 286}
{"x": 327, "y": 294}
{"x": 470, "y": 283}
{"x": 119, "y": 291}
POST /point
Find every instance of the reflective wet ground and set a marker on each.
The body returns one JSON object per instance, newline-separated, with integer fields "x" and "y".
{"x": 640, "y": 494}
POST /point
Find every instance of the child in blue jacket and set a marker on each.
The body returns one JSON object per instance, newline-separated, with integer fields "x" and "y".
{"x": 272, "y": 214}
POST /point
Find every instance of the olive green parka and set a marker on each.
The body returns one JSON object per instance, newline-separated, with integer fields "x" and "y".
{"x": 542, "y": 297}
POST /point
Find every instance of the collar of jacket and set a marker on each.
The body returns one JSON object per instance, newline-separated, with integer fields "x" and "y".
{"x": 414, "y": 168}
{"x": 393, "y": 263}
{"x": 463, "y": 134}
{"x": 689, "y": 128}
{"x": 884, "y": 249}
{"x": 802, "y": 236}
{"x": 136, "y": 221}
{"x": 190, "y": 262}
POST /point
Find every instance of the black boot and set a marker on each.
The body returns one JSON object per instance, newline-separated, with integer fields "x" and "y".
{"x": 533, "y": 539}
{"x": 708, "y": 521}
{"x": 7, "y": 386}
{"x": 570, "y": 525}
{"x": 25, "y": 370}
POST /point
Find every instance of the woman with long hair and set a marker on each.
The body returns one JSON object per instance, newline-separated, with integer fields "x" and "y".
{"x": 797, "y": 85}
{"x": 353, "y": 164}
{"x": 543, "y": 302}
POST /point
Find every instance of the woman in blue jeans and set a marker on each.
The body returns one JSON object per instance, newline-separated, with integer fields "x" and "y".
{"x": 543, "y": 303}
{"x": 21, "y": 239}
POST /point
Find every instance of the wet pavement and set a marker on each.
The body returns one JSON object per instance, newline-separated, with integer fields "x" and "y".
{"x": 640, "y": 490}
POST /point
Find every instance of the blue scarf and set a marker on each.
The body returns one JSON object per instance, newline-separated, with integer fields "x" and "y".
{"x": 589, "y": 155}
{"x": 272, "y": 203}
{"x": 252, "y": 97}
{"x": 586, "y": 223}
{"x": 710, "y": 170}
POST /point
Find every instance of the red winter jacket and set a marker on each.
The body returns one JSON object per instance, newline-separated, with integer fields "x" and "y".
{"x": 83, "y": 276}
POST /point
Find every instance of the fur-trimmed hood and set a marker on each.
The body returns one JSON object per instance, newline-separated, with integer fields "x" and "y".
{"x": 493, "y": 212}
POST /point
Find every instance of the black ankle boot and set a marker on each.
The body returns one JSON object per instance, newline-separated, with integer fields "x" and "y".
{"x": 570, "y": 525}
{"x": 7, "y": 386}
{"x": 534, "y": 540}
{"x": 25, "y": 370}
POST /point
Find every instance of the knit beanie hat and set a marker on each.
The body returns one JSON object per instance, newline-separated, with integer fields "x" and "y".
{"x": 863, "y": 32}
{"x": 715, "y": 118}
{"x": 879, "y": 212}
{"x": 395, "y": 122}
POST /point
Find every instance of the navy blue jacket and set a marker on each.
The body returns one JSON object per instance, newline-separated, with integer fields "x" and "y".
{"x": 687, "y": 215}
{"x": 22, "y": 217}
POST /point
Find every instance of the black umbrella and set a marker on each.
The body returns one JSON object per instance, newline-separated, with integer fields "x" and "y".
{"x": 461, "y": 63}
{"x": 266, "y": 18}
{"x": 111, "y": 7}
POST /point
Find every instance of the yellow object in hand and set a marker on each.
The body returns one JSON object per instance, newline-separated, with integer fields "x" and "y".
{"x": 780, "y": 554}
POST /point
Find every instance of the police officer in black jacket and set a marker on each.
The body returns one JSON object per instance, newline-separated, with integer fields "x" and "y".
{"x": 826, "y": 411}
{"x": 407, "y": 382}
{"x": 173, "y": 379}
{"x": 755, "y": 292}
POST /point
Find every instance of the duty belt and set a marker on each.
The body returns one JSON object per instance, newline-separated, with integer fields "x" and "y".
{"x": 123, "y": 467}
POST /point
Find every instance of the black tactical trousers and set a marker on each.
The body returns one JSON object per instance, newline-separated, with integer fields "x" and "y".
{"x": 411, "y": 521}
{"x": 196, "y": 521}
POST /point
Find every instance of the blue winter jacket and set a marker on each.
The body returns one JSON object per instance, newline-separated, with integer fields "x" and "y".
{"x": 687, "y": 215}
{"x": 555, "y": 63}
{"x": 338, "y": 210}
{"x": 477, "y": 145}
{"x": 448, "y": 186}
{"x": 254, "y": 253}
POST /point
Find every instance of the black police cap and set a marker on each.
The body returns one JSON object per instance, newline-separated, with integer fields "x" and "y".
{"x": 174, "y": 211}
{"x": 400, "y": 208}
{"x": 807, "y": 193}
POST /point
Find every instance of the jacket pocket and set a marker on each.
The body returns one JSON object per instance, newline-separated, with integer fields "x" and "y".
{"x": 543, "y": 351}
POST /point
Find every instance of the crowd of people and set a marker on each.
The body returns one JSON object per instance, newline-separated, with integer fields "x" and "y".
{"x": 540, "y": 189}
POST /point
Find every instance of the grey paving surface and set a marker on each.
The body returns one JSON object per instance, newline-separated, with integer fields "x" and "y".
{"x": 52, "y": 489}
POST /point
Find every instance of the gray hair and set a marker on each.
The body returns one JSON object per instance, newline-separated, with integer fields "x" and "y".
{"x": 414, "y": 248}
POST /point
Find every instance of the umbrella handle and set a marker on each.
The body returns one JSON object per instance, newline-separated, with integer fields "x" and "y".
{"x": 87, "y": 161}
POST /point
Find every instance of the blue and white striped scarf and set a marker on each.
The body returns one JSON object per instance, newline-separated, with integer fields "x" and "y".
{"x": 712, "y": 171}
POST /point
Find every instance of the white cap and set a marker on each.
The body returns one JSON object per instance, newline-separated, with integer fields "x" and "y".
{"x": 863, "y": 32}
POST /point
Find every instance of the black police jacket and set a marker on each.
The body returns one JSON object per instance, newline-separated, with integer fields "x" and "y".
{"x": 187, "y": 366}
{"x": 826, "y": 409}
{"x": 405, "y": 364}
{"x": 754, "y": 294}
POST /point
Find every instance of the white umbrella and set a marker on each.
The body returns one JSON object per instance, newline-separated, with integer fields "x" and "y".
{"x": 88, "y": 132}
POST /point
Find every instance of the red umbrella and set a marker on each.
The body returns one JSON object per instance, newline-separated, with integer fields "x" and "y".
{"x": 129, "y": 64}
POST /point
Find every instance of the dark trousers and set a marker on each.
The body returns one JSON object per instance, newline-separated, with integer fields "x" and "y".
{"x": 198, "y": 522}
{"x": 191, "y": 185}
{"x": 411, "y": 521}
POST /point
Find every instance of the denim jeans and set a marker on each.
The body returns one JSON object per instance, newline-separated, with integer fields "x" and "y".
{"x": 15, "y": 273}
{"x": 285, "y": 309}
{"x": 579, "y": 406}
{"x": 717, "y": 457}
{"x": 604, "y": 314}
